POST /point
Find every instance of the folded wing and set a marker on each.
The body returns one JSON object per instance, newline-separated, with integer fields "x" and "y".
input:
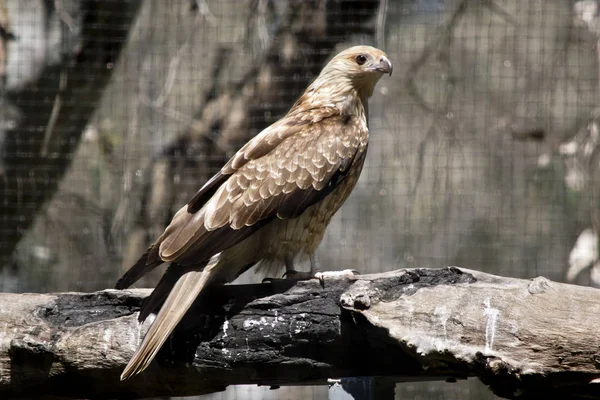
{"x": 301, "y": 170}
{"x": 279, "y": 174}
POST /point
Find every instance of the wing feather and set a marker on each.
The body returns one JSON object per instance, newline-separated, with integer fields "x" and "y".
{"x": 260, "y": 145}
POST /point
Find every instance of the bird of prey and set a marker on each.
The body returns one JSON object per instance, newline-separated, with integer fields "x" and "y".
{"x": 271, "y": 202}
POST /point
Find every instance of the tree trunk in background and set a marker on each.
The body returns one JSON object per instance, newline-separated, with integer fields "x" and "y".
{"x": 50, "y": 108}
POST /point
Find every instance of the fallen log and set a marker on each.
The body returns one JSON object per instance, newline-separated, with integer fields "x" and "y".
{"x": 524, "y": 338}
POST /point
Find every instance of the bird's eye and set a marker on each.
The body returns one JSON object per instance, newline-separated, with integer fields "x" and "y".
{"x": 360, "y": 59}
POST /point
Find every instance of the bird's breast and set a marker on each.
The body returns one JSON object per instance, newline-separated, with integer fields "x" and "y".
{"x": 302, "y": 235}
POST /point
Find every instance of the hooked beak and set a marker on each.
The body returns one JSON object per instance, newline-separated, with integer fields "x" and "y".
{"x": 384, "y": 66}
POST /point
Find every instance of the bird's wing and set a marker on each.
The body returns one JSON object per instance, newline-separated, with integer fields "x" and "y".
{"x": 190, "y": 215}
{"x": 300, "y": 170}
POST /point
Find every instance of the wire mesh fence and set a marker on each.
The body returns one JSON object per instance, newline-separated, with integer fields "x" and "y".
{"x": 483, "y": 149}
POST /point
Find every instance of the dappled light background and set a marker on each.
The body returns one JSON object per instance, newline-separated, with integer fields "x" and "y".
{"x": 483, "y": 150}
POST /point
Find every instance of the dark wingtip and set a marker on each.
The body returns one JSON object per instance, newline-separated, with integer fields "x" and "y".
{"x": 120, "y": 285}
{"x": 139, "y": 269}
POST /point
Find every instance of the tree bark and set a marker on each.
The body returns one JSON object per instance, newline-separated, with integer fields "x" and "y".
{"x": 524, "y": 338}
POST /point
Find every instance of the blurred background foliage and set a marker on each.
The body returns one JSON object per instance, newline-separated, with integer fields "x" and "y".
{"x": 483, "y": 154}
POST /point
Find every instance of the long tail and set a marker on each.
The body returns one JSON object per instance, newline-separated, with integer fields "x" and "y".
{"x": 183, "y": 294}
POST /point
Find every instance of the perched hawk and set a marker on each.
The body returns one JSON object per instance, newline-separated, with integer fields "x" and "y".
{"x": 271, "y": 202}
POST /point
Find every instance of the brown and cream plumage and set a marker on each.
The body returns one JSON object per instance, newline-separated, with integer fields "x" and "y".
{"x": 271, "y": 202}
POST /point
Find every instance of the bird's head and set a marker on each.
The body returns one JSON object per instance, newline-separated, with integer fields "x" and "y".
{"x": 360, "y": 63}
{"x": 356, "y": 69}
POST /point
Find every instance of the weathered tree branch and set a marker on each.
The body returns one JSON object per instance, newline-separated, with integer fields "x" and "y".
{"x": 524, "y": 338}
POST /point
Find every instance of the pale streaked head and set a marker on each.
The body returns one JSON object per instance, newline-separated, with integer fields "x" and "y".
{"x": 362, "y": 61}
{"x": 356, "y": 68}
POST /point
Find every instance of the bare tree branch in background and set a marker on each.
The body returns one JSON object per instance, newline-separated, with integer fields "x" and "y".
{"x": 440, "y": 126}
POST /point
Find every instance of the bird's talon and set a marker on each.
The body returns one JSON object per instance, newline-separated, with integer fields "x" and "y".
{"x": 289, "y": 273}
